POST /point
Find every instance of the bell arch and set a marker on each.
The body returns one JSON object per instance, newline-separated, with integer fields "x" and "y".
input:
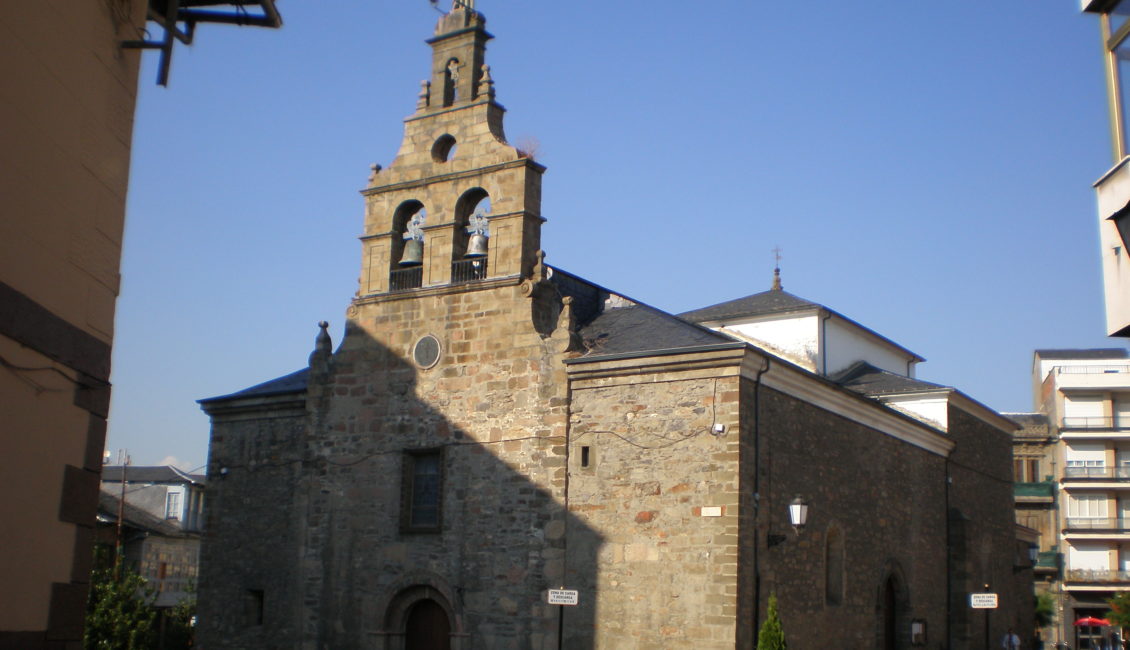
{"x": 470, "y": 247}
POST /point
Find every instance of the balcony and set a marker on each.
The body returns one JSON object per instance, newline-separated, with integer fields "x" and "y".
{"x": 1121, "y": 473}
{"x": 1097, "y": 575}
{"x": 1048, "y": 561}
{"x": 1097, "y": 422}
{"x": 1096, "y": 524}
{"x": 1034, "y": 491}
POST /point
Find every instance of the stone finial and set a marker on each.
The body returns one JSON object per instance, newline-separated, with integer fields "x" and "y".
{"x": 486, "y": 84}
{"x": 424, "y": 99}
{"x": 566, "y": 332}
{"x": 541, "y": 271}
{"x": 323, "y": 349}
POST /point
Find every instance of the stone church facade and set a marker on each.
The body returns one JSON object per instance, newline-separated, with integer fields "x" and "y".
{"x": 491, "y": 428}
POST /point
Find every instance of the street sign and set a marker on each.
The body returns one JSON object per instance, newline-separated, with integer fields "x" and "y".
{"x": 983, "y": 601}
{"x": 562, "y": 597}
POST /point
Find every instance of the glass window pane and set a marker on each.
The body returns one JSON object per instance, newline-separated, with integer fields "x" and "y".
{"x": 1122, "y": 58}
{"x": 425, "y": 491}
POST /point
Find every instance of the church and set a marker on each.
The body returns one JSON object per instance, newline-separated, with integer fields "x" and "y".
{"x": 502, "y": 454}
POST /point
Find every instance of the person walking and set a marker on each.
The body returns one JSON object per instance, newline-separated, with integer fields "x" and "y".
{"x": 1010, "y": 641}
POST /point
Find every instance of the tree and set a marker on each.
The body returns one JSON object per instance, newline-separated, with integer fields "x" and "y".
{"x": 771, "y": 636}
{"x": 120, "y": 613}
{"x": 1119, "y": 614}
{"x": 1045, "y": 609}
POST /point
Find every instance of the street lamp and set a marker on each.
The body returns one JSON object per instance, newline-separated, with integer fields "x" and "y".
{"x": 798, "y": 513}
{"x": 798, "y": 517}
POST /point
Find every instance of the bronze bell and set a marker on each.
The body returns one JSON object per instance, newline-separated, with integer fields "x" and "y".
{"x": 476, "y": 246}
{"x": 413, "y": 253}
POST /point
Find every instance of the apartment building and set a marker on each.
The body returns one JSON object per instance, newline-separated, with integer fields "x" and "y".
{"x": 1075, "y": 473}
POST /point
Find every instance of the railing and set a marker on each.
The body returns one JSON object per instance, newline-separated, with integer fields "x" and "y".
{"x": 1120, "y": 473}
{"x": 1097, "y": 523}
{"x": 1040, "y": 489}
{"x": 1091, "y": 370}
{"x": 1095, "y": 422}
{"x": 1097, "y": 575}
{"x": 468, "y": 270}
{"x": 409, "y": 278}
{"x": 1047, "y": 560}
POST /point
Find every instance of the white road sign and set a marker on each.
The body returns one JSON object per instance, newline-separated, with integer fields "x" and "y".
{"x": 983, "y": 601}
{"x": 562, "y": 597}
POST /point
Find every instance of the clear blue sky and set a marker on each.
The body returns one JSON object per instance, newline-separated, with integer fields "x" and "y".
{"x": 926, "y": 168}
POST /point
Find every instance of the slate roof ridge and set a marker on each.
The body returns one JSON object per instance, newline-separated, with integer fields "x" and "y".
{"x": 135, "y": 516}
{"x": 872, "y": 380}
{"x": 294, "y": 382}
{"x": 150, "y": 474}
{"x": 764, "y": 302}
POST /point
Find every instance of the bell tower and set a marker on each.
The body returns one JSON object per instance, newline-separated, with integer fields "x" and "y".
{"x": 458, "y": 204}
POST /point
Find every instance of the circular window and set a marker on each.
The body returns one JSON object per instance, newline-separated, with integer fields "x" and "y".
{"x": 444, "y": 148}
{"x": 426, "y": 351}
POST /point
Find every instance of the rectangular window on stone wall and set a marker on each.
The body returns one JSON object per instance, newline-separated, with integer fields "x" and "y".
{"x": 421, "y": 491}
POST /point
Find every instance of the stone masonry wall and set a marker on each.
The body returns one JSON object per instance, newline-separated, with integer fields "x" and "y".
{"x": 495, "y": 405}
{"x": 250, "y": 544}
{"x": 984, "y": 549}
{"x": 885, "y": 497}
{"x": 661, "y": 491}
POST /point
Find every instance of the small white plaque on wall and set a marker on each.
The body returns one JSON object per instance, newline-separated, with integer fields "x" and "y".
{"x": 712, "y": 511}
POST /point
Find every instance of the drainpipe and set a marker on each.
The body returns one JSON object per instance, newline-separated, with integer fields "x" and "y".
{"x": 757, "y": 500}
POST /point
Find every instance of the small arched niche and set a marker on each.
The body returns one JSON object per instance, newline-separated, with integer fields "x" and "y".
{"x": 471, "y": 239}
{"x": 451, "y": 81}
{"x": 444, "y": 148}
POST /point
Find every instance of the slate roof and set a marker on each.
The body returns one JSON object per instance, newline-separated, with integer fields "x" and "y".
{"x": 766, "y": 302}
{"x": 1031, "y": 424}
{"x": 640, "y": 328}
{"x": 1094, "y": 353}
{"x": 866, "y": 379}
{"x": 295, "y": 382}
{"x": 157, "y": 474}
{"x": 134, "y": 516}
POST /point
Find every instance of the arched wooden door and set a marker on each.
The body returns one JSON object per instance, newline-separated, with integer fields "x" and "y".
{"x": 427, "y": 627}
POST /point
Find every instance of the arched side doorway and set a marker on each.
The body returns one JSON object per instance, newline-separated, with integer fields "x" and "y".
{"x": 893, "y": 623}
{"x": 421, "y": 617}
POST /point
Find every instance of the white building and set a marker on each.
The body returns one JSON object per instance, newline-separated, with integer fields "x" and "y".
{"x": 1113, "y": 188}
{"x": 1085, "y": 395}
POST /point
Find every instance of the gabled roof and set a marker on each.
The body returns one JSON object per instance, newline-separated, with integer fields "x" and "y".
{"x": 133, "y": 516}
{"x": 778, "y": 301}
{"x": 295, "y": 382}
{"x": 866, "y": 379}
{"x": 758, "y": 304}
{"x": 157, "y": 474}
{"x": 640, "y": 328}
{"x": 1094, "y": 353}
